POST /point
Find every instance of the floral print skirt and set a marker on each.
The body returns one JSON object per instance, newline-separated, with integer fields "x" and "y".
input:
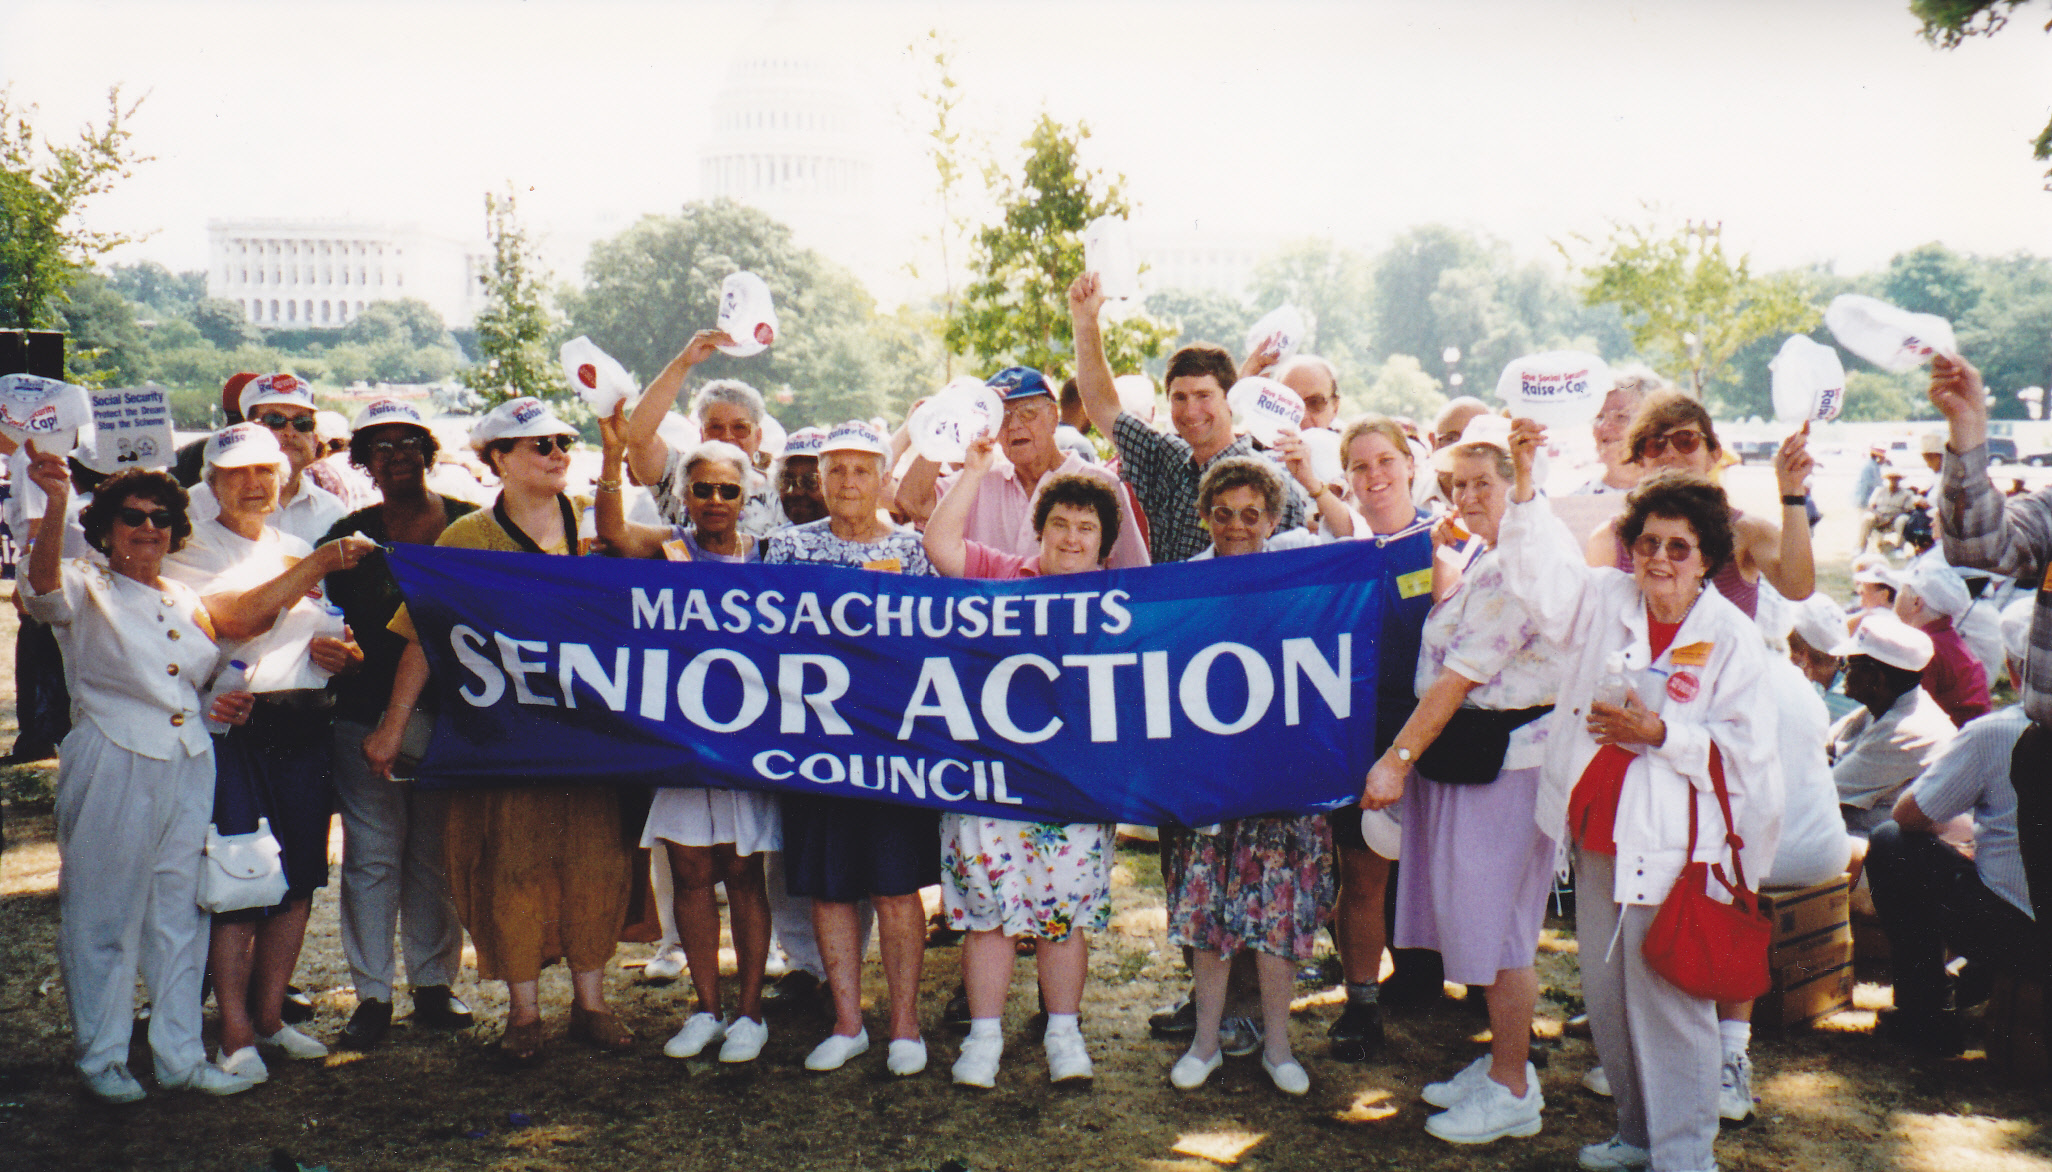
{"x": 1263, "y": 883}
{"x": 1040, "y": 879}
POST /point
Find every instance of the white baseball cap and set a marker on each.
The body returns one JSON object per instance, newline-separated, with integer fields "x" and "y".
{"x": 1486, "y": 428}
{"x": 276, "y": 388}
{"x": 382, "y": 411}
{"x": 1884, "y": 637}
{"x": 1820, "y": 621}
{"x": 518, "y": 419}
{"x": 856, "y": 436}
{"x": 806, "y": 441}
{"x": 330, "y": 425}
{"x": 1940, "y": 588}
{"x": 243, "y": 445}
{"x": 1872, "y": 570}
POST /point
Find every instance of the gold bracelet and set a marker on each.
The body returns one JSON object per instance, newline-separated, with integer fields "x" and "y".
{"x": 608, "y": 486}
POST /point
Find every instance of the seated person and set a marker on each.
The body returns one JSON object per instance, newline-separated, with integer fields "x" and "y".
{"x": 1888, "y": 510}
{"x": 1820, "y": 626}
{"x": 1899, "y": 728}
{"x": 1931, "y": 598}
{"x": 1933, "y": 897}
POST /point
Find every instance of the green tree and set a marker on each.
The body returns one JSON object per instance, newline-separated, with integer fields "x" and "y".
{"x": 1399, "y": 386}
{"x": 1406, "y": 275}
{"x": 1949, "y": 23}
{"x": 1334, "y": 286}
{"x": 1016, "y": 311}
{"x": 162, "y": 291}
{"x": 516, "y": 325}
{"x": 222, "y": 322}
{"x": 953, "y": 157}
{"x": 105, "y": 346}
{"x": 648, "y": 289}
{"x": 1690, "y": 306}
{"x": 1197, "y": 315}
{"x": 1933, "y": 279}
{"x": 409, "y": 321}
{"x": 45, "y": 187}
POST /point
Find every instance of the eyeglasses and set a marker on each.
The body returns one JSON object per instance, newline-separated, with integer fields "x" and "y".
{"x": 416, "y": 444}
{"x": 155, "y": 518}
{"x": 704, "y": 491}
{"x": 799, "y": 482}
{"x": 549, "y": 445}
{"x": 1222, "y": 515}
{"x": 1028, "y": 410}
{"x": 1317, "y": 403}
{"x": 1649, "y": 546}
{"x": 277, "y": 422}
{"x": 1684, "y": 442}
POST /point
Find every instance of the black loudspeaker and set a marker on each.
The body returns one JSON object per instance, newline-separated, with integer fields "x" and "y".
{"x": 37, "y": 352}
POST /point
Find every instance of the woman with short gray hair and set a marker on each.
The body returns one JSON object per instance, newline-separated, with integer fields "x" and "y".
{"x": 724, "y": 409}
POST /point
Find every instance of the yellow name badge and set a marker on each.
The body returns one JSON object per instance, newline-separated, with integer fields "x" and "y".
{"x": 1694, "y": 655}
{"x": 885, "y": 566}
{"x": 1416, "y": 582}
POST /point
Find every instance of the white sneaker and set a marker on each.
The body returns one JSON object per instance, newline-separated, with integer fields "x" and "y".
{"x": 775, "y": 965}
{"x": 1288, "y": 1077}
{"x": 745, "y": 1040}
{"x": 1444, "y": 1095}
{"x": 1491, "y": 1112}
{"x": 113, "y": 1084}
{"x": 1614, "y": 1155}
{"x": 1596, "y": 1082}
{"x": 834, "y": 1053}
{"x": 700, "y": 1030}
{"x": 210, "y": 1079}
{"x": 978, "y": 1064}
{"x": 295, "y": 1044}
{"x": 1190, "y": 1071}
{"x": 246, "y": 1063}
{"x": 906, "y": 1057}
{"x": 1735, "y": 1092}
{"x": 666, "y": 965}
{"x": 1068, "y": 1059}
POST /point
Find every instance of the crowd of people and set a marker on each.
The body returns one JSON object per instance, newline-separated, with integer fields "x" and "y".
{"x": 1670, "y": 690}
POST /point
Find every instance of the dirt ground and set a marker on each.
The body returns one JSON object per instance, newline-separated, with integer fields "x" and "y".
{"x": 1833, "y": 1097}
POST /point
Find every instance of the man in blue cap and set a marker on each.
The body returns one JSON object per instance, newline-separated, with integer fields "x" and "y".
{"x": 1002, "y": 516}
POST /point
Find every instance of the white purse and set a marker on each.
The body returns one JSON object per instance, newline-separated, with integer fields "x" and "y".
{"x": 242, "y": 870}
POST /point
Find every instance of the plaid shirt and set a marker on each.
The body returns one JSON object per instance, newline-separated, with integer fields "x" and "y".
{"x": 2010, "y": 536}
{"x": 1165, "y": 476}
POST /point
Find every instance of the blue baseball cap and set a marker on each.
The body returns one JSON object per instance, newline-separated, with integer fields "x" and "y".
{"x": 1019, "y": 382}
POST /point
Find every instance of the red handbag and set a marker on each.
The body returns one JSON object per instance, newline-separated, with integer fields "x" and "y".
{"x": 1706, "y": 948}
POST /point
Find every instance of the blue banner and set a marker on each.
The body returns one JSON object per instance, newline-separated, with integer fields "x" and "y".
{"x": 1183, "y": 694}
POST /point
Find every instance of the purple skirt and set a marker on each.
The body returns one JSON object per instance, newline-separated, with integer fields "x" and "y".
{"x": 1475, "y": 876}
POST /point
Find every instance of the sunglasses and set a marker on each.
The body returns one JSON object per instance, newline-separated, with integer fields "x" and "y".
{"x": 418, "y": 445}
{"x": 1249, "y": 517}
{"x": 704, "y": 491}
{"x": 155, "y": 518}
{"x": 1684, "y": 442}
{"x": 800, "y": 482}
{"x": 549, "y": 445}
{"x": 277, "y": 422}
{"x": 1648, "y": 547}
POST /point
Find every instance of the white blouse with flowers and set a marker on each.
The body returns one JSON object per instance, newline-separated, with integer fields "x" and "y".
{"x": 1484, "y": 634}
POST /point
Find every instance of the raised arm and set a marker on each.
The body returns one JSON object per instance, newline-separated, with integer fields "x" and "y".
{"x": 1784, "y": 555}
{"x": 1542, "y": 567}
{"x": 251, "y": 612}
{"x": 646, "y": 452}
{"x": 1980, "y": 527}
{"x": 609, "y": 511}
{"x": 46, "y": 559}
{"x": 1093, "y": 371}
{"x": 947, "y": 530}
{"x": 916, "y": 494}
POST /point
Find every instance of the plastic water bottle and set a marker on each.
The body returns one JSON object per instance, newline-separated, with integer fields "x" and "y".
{"x": 233, "y": 678}
{"x": 1612, "y": 689}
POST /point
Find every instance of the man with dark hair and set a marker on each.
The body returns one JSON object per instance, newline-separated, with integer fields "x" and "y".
{"x": 1164, "y": 469}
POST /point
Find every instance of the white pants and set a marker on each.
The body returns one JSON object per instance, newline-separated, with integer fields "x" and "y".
{"x": 392, "y": 877}
{"x": 1659, "y": 1045}
{"x": 130, "y": 833}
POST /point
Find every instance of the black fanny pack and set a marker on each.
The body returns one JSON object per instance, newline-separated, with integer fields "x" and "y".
{"x": 1469, "y": 751}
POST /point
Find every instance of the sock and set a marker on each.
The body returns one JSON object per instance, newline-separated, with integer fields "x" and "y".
{"x": 1363, "y": 993}
{"x": 1062, "y": 1023}
{"x": 986, "y": 1028}
{"x": 1736, "y": 1036}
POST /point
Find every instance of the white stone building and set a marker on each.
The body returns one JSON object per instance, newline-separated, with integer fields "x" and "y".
{"x": 320, "y": 274}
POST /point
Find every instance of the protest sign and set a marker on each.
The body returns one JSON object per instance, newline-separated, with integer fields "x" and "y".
{"x": 1181, "y": 694}
{"x": 131, "y": 429}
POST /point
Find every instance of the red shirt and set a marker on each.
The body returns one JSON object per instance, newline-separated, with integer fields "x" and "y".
{"x": 1592, "y": 807}
{"x": 1955, "y": 676}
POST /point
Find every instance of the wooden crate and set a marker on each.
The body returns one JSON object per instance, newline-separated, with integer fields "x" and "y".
{"x": 1806, "y": 1001}
{"x": 1795, "y": 960}
{"x": 1801, "y": 911}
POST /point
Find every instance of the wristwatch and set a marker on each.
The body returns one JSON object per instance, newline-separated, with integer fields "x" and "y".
{"x": 1403, "y": 755}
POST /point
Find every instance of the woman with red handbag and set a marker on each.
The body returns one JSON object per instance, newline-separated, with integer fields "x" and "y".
{"x": 1660, "y": 770}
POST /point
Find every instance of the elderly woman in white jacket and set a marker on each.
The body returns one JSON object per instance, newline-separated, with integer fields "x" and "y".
{"x": 1619, "y": 780}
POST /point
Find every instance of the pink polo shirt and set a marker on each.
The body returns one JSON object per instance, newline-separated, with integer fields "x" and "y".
{"x": 1002, "y": 516}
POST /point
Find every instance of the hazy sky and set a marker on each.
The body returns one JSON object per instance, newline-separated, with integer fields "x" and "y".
{"x": 1816, "y": 131}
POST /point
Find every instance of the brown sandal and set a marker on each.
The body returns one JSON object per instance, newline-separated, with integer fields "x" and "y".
{"x": 522, "y": 1043}
{"x": 599, "y": 1028}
